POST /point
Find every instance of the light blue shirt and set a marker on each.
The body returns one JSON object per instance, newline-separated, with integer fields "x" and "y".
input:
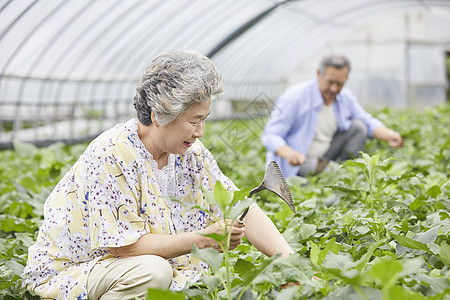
{"x": 294, "y": 118}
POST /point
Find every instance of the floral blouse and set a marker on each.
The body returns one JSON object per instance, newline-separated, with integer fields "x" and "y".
{"x": 110, "y": 198}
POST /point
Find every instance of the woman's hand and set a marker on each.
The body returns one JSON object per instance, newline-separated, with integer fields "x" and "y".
{"x": 170, "y": 246}
{"x": 237, "y": 233}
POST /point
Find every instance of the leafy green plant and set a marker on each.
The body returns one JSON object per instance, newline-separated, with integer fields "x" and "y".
{"x": 228, "y": 203}
{"x": 377, "y": 227}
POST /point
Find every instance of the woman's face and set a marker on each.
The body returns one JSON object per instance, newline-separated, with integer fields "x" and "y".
{"x": 179, "y": 135}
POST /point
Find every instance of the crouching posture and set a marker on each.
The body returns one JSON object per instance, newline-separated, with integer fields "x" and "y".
{"x": 111, "y": 229}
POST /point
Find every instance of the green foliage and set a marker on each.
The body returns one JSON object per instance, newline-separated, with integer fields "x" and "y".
{"x": 27, "y": 175}
{"x": 377, "y": 227}
{"x": 232, "y": 204}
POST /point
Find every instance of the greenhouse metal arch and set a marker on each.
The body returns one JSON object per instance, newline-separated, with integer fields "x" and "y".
{"x": 68, "y": 69}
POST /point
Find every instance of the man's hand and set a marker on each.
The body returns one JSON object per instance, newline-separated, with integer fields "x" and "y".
{"x": 393, "y": 138}
{"x": 294, "y": 157}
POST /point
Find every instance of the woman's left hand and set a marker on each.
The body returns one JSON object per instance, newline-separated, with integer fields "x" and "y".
{"x": 237, "y": 233}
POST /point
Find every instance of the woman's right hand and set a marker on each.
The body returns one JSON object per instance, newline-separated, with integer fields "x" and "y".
{"x": 237, "y": 233}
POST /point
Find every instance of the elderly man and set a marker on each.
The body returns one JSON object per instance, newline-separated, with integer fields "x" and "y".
{"x": 319, "y": 121}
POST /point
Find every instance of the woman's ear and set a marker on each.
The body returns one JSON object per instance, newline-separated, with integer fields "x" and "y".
{"x": 154, "y": 122}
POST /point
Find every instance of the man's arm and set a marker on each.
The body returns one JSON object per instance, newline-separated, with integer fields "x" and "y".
{"x": 281, "y": 120}
{"x": 293, "y": 156}
{"x": 393, "y": 138}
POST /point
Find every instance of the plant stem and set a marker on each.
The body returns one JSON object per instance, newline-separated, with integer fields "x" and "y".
{"x": 226, "y": 259}
{"x": 242, "y": 293}
{"x": 358, "y": 289}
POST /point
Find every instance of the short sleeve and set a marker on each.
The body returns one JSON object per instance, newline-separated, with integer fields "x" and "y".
{"x": 112, "y": 202}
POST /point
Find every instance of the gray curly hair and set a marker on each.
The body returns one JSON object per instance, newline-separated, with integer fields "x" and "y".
{"x": 174, "y": 81}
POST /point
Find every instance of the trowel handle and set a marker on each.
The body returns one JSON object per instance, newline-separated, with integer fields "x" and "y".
{"x": 242, "y": 217}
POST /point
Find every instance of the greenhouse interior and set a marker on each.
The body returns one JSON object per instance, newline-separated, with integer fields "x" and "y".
{"x": 373, "y": 226}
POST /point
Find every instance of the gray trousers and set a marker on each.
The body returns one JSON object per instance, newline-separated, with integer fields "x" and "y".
{"x": 344, "y": 145}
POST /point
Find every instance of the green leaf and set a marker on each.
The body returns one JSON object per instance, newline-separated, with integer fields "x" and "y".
{"x": 434, "y": 191}
{"x": 386, "y": 271}
{"x": 215, "y": 236}
{"x": 296, "y": 181}
{"x": 240, "y": 195}
{"x": 428, "y": 236}
{"x": 362, "y": 229}
{"x": 237, "y": 209}
{"x": 362, "y": 263}
{"x": 314, "y": 253}
{"x": 25, "y": 149}
{"x": 412, "y": 266}
{"x": 418, "y": 203}
{"x": 250, "y": 275}
{"x": 9, "y": 283}
{"x": 409, "y": 242}
{"x": 283, "y": 214}
{"x": 437, "y": 284}
{"x": 242, "y": 266}
{"x": 14, "y": 265}
{"x": 12, "y": 224}
{"x": 288, "y": 294}
{"x": 306, "y": 231}
{"x": 350, "y": 293}
{"x": 222, "y": 196}
{"x": 212, "y": 282}
{"x": 19, "y": 209}
{"x": 164, "y": 294}
{"x": 365, "y": 157}
{"x": 211, "y": 256}
{"x": 402, "y": 293}
{"x": 340, "y": 262}
{"x": 294, "y": 268}
{"x": 445, "y": 253}
{"x": 209, "y": 196}
{"x": 310, "y": 203}
{"x": 344, "y": 189}
{"x": 374, "y": 160}
{"x": 25, "y": 237}
{"x": 235, "y": 282}
{"x": 348, "y": 218}
{"x": 330, "y": 246}
{"x": 30, "y": 184}
{"x": 354, "y": 163}
{"x": 435, "y": 249}
{"x": 394, "y": 179}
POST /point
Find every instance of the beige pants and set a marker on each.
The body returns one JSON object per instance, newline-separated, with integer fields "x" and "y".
{"x": 130, "y": 277}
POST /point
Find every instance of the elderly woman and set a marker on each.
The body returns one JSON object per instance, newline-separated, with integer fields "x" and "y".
{"x": 111, "y": 230}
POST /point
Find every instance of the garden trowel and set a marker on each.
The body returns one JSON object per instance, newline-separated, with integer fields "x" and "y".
{"x": 273, "y": 181}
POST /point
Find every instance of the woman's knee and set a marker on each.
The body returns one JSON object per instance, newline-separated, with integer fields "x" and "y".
{"x": 158, "y": 270}
{"x": 146, "y": 271}
{"x": 130, "y": 276}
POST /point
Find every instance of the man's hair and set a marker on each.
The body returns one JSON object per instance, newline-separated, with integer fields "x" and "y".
{"x": 335, "y": 61}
